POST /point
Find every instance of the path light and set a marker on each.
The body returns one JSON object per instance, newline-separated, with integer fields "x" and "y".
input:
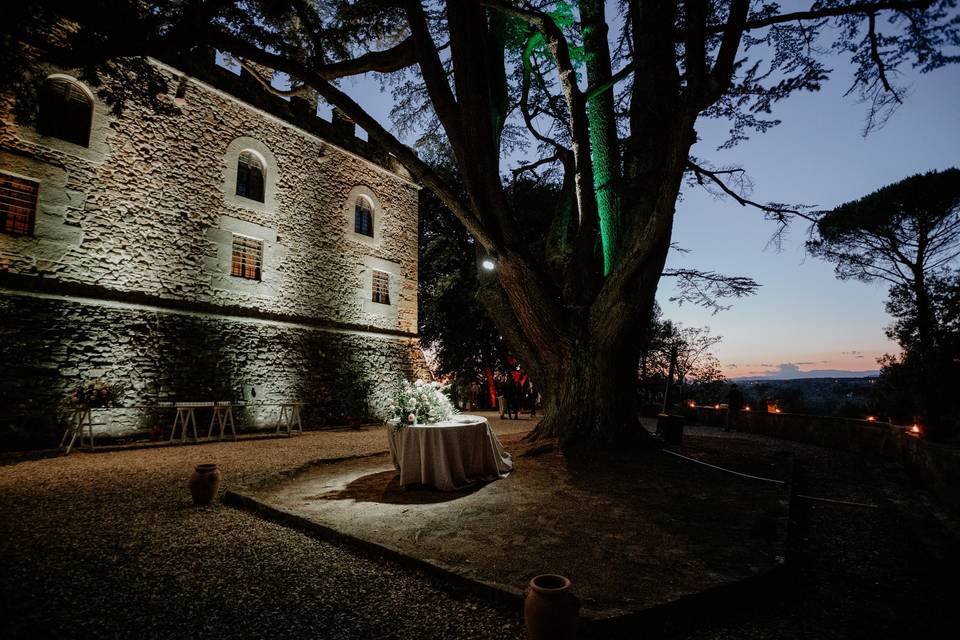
{"x": 692, "y": 404}
{"x": 871, "y": 418}
{"x": 716, "y": 406}
{"x": 747, "y": 408}
{"x": 915, "y": 429}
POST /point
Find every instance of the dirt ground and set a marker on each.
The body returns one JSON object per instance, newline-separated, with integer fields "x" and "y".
{"x": 631, "y": 531}
{"x": 107, "y": 545}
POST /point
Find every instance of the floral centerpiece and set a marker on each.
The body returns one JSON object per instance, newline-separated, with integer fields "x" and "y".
{"x": 93, "y": 394}
{"x": 420, "y": 402}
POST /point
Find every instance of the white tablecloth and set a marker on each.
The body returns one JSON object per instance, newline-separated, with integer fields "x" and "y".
{"x": 448, "y": 455}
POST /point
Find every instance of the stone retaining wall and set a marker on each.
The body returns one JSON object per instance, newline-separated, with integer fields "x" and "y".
{"x": 935, "y": 465}
{"x": 51, "y": 343}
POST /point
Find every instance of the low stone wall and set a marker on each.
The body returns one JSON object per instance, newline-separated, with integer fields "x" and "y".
{"x": 935, "y": 465}
{"x": 50, "y": 343}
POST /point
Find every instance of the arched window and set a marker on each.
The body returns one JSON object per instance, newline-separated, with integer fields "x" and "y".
{"x": 66, "y": 111}
{"x": 363, "y": 217}
{"x": 250, "y": 176}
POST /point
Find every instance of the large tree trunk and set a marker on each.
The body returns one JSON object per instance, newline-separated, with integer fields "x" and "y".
{"x": 593, "y": 399}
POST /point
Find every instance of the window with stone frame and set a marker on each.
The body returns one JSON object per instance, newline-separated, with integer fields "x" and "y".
{"x": 66, "y": 111}
{"x": 381, "y": 287}
{"x": 247, "y": 257}
{"x": 250, "y": 176}
{"x": 18, "y": 205}
{"x": 363, "y": 217}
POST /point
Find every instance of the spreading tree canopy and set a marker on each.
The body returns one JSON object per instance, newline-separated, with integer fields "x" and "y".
{"x": 608, "y": 94}
{"x": 908, "y": 235}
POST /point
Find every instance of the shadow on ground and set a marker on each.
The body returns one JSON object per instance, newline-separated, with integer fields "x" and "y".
{"x": 383, "y": 487}
{"x": 632, "y": 530}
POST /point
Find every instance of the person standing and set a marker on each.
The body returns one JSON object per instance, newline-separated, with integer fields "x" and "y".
{"x": 513, "y": 392}
{"x": 734, "y": 405}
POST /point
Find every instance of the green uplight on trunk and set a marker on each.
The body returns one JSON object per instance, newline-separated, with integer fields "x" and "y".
{"x": 604, "y": 169}
{"x": 601, "y": 118}
{"x": 602, "y": 183}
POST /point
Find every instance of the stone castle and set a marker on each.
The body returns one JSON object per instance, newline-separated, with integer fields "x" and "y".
{"x": 236, "y": 248}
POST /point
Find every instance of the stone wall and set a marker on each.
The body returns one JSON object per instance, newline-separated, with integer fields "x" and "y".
{"x": 51, "y": 342}
{"x": 935, "y": 465}
{"x": 127, "y": 274}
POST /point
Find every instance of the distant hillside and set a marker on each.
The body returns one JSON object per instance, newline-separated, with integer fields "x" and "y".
{"x": 782, "y": 375}
{"x": 838, "y": 395}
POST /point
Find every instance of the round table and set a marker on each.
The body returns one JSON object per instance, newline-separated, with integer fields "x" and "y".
{"x": 448, "y": 455}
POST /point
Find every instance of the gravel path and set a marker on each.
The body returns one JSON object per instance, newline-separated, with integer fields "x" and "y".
{"x": 108, "y": 545}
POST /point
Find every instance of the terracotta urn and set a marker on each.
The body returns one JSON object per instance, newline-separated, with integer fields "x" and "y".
{"x": 204, "y": 484}
{"x": 550, "y": 609}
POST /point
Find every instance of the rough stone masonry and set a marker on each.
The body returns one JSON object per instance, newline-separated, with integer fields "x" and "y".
{"x": 127, "y": 274}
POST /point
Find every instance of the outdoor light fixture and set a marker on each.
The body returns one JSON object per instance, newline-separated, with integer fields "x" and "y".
{"x": 915, "y": 429}
{"x": 871, "y": 418}
{"x": 746, "y": 408}
{"x": 488, "y": 264}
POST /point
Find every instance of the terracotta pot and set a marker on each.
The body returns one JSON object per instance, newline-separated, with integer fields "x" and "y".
{"x": 204, "y": 484}
{"x": 550, "y": 609}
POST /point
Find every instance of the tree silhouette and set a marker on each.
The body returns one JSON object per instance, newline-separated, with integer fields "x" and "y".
{"x": 908, "y": 235}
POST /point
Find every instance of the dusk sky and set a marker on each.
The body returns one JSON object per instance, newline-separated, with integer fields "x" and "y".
{"x": 802, "y": 318}
{"x": 803, "y": 315}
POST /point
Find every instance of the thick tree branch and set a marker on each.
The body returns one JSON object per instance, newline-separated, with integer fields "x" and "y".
{"x": 861, "y": 8}
{"x": 393, "y": 59}
{"x": 779, "y": 212}
{"x": 556, "y": 157}
{"x": 875, "y": 56}
{"x": 576, "y": 103}
{"x": 434, "y": 75}
{"x": 866, "y": 8}
{"x": 722, "y": 73}
{"x": 695, "y": 48}
{"x": 525, "y": 98}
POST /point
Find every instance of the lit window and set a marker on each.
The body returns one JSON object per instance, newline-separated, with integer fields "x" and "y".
{"x": 18, "y": 205}
{"x": 381, "y": 287}
{"x": 247, "y": 257}
{"x": 250, "y": 176}
{"x": 66, "y": 111}
{"x": 363, "y": 218}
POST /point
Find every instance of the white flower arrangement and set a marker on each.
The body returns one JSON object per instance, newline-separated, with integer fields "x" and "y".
{"x": 420, "y": 402}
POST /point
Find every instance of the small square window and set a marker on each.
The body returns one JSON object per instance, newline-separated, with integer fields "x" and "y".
{"x": 18, "y": 205}
{"x": 247, "y": 257}
{"x": 381, "y": 287}
{"x": 363, "y": 218}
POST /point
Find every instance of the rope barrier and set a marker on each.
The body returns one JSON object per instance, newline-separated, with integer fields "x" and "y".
{"x": 713, "y": 466}
{"x": 845, "y": 502}
{"x": 773, "y": 481}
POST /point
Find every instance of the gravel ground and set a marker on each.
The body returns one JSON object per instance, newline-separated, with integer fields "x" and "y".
{"x": 107, "y": 545}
